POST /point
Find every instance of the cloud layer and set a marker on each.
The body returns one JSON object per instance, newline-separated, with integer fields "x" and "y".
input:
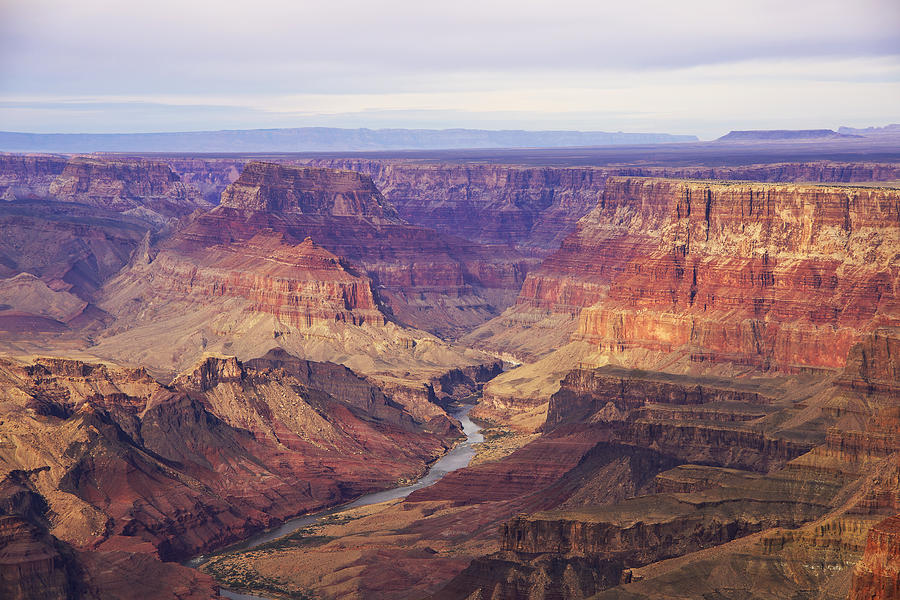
{"x": 690, "y": 66}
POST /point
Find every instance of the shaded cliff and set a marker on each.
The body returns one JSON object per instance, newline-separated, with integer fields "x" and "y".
{"x": 68, "y": 246}
{"x": 28, "y": 176}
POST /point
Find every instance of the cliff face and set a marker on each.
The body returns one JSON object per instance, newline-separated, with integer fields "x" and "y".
{"x": 277, "y": 188}
{"x": 770, "y": 275}
{"x": 812, "y": 172}
{"x": 877, "y": 576}
{"x": 28, "y": 176}
{"x": 786, "y": 472}
{"x": 534, "y": 208}
{"x": 303, "y": 284}
{"x": 531, "y": 209}
{"x": 692, "y": 419}
{"x": 434, "y": 282}
{"x": 125, "y": 185}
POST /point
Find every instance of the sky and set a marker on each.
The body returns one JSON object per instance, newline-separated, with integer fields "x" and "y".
{"x": 687, "y": 66}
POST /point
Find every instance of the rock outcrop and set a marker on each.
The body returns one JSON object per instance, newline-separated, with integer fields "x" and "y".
{"x": 877, "y": 576}
{"x": 147, "y": 188}
{"x": 303, "y": 284}
{"x": 429, "y": 281}
{"x": 28, "y": 176}
{"x": 127, "y": 465}
{"x": 270, "y": 187}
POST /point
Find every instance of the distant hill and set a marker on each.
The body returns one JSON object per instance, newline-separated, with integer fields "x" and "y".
{"x": 774, "y": 135}
{"x": 315, "y": 139}
{"x": 892, "y": 130}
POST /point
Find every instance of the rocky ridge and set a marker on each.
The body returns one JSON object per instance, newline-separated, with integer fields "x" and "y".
{"x": 431, "y": 282}
{"x": 824, "y": 475}
{"x": 147, "y": 188}
{"x": 175, "y": 470}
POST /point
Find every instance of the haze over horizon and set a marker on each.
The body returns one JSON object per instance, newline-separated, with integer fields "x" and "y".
{"x": 698, "y": 67}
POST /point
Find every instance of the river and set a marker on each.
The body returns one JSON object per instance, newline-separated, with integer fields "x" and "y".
{"x": 457, "y": 458}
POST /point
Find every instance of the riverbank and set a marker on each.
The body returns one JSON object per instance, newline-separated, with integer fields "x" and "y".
{"x": 230, "y": 566}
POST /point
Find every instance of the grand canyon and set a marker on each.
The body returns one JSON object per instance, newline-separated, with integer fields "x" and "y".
{"x": 481, "y": 300}
{"x": 654, "y": 372}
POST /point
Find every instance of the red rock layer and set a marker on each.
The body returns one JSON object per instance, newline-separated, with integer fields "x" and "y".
{"x": 770, "y": 275}
{"x": 877, "y": 576}
{"x": 122, "y": 185}
{"x": 434, "y": 282}
{"x": 301, "y": 284}
{"x": 129, "y": 466}
{"x": 30, "y": 565}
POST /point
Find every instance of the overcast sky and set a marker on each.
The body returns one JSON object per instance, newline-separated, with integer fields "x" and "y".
{"x": 677, "y": 66}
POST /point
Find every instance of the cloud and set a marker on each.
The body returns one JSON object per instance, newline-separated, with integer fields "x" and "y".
{"x": 278, "y": 61}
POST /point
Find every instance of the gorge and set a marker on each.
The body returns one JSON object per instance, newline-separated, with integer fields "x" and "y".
{"x": 686, "y": 377}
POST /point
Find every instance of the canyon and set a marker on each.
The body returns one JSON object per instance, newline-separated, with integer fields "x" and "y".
{"x": 688, "y": 376}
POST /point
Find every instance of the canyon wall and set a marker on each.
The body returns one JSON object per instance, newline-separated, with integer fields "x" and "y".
{"x": 126, "y": 465}
{"x": 126, "y": 185}
{"x": 769, "y": 275}
{"x": 24, "y": 176}
{"x": 434, "y": 282}
{"x": 784, "y": 476}
{"x": 877, "y": 576}
{"x": 534, "y": 208}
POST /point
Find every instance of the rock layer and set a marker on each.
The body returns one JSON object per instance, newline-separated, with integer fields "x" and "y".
{"x": 28, "y": 176}
{"x": 779, "y": 481}
{"x": 877, "y": 576}
{"x": 768, "y": 275}
{"x": 125, "y": 185}
{"x": 433, "y": 282}
{"x": 270, "y": 187}
{"x": 127, "y": 465}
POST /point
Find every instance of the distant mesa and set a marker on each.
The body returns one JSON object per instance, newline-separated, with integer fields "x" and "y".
{"x": 774, "y": 135}
{"x": 892, "y": 130}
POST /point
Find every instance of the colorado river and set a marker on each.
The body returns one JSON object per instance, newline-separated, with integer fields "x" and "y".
{"x": 457, "y": 458}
